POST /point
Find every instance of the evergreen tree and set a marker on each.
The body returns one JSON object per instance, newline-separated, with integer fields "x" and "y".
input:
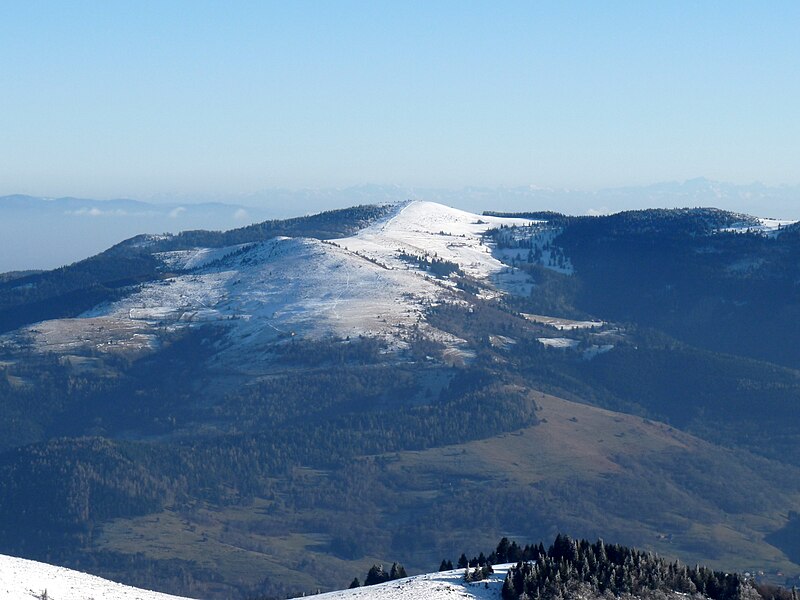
{"x": 376, "y": 575}
{"x": 397, "y": 572}
{"x": 355, "y": 583}
{"x": 616, "y": 570}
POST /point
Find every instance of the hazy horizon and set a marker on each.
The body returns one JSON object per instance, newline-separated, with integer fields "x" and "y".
{"x": 44, "y": 235}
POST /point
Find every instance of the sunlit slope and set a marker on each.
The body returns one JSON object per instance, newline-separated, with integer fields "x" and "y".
{"x": 446, "y": 585}
{"x": 378, "y": 282}
{"x": 21, "y": 578}
{"x": 583, "y": 470}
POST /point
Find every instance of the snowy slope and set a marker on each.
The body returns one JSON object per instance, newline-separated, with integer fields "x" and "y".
{"x": 762, "y": 226}
{"x": 280, "y": 288}
{"x": 21, "y": 579}
{"x": 431, "y": 229}
{"x": 446, "y": 585}
{"x": 267, "y": 291}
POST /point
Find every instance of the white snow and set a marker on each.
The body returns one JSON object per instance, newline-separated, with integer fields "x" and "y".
{"x": 535, "y": 241}
{"x": 445, "y": 585}
{"x": 437, "y": 231}
{"x": 558, "y": 342}
{"x": 266, "y": 291}
{"x": 21, "y": 578}
{"x": 562, "y": 324}
{"x": 199, "y": 257}
{"x": 281, "y": 287}
{"x": 765, "y": 226}
{"x": 351, "y": 286}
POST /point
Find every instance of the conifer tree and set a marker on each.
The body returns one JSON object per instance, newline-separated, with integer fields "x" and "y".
{"x": 376, "y": 575}
{"x": 397, "y": 572}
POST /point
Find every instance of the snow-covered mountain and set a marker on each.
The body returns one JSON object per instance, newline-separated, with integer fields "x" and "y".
{"x": 22, "y": 579}
{"x": 377, "y": 282}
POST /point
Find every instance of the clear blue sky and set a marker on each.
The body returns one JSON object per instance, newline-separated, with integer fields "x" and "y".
{"x": 110, "y": 99}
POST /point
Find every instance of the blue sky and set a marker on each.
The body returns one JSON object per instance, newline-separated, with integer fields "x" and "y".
{"x": 134, "y": 99}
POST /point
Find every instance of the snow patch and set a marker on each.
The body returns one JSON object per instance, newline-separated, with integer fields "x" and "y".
{"x": 562, "y": 324}
{"x": 558, "y": 342}
{"x": 761, "y": 226}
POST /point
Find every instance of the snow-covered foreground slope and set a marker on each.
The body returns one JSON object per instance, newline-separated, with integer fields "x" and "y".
{"x": 21, "y": 579}
{"x": 446, "y": 585}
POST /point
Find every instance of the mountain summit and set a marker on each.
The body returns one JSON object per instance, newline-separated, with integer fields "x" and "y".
{"x": 376, "y": 283}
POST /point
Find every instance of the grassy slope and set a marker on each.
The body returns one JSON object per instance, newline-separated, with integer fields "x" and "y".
{"x": 583, "y": 471}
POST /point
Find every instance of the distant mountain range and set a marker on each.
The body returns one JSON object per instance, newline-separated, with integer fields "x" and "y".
{"x": 754, "y": 198}
{"x": 44, "y": 233}
{"x": 40, "y": 233}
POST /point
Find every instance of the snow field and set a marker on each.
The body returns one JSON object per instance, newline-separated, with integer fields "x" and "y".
{"x": 558, "y": 342}
{"x": 445, "y": 585}
{"x": 436, "y": 231}
{"x": 21, "y": 578}
{"x": 768, "y": 227}
{"x": 280, "y": 288}
{"x": 562, "y": 324}
{"x": 262, "y": 292}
